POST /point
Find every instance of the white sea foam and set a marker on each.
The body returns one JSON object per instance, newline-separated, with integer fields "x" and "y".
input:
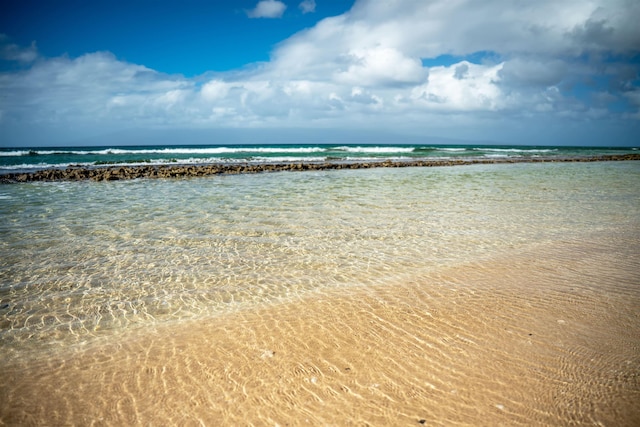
{"x": 161, "y": 162}
{"x": 15, "y": 153}
{"x": 37, "y": 166}
{"x": 517, "y": 150}
{"x": 285, "y": 159}
{"x": 221, "y": 150}
{"x": 195, "y": 151}
{"x": 377, "y": 159}
{"x": 376, "y": 149}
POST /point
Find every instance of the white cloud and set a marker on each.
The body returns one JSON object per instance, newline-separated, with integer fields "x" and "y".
{"x": 364, "y": 97}
{"x": 365, "y": 69}
{"x": 13, "y": 52}
{"x": 307, "y": 6}
{"x": 267, "y": 9}
{"x": 460, "y": 87}
{"x": 92, "y": 88}
{"x": 380, "y": 67}
{"x": 215, "y": 89}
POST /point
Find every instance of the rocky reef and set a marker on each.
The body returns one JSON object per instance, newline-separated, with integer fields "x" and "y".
{"x": 111, "y": 173}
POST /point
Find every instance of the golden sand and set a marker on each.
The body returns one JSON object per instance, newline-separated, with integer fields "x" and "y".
{"x": 549, "y": 336}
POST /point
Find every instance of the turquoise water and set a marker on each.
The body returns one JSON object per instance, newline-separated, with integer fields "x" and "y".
{"x": 80, "y": 260}
{"x": 21, "y": 159}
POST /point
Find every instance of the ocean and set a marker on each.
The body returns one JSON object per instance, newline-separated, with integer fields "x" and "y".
{"x": 502, "y": 292}
{"x": 29, "y": 159}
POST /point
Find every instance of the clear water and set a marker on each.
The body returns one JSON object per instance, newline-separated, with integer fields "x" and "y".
{"x": 82, "y": 259}
{"x": 472, "y": 295}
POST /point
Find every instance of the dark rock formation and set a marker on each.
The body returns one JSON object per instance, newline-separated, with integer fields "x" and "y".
{"x": 111, "y": 173}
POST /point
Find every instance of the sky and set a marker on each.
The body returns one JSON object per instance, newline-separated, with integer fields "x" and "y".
{"x": 95, "y": 72}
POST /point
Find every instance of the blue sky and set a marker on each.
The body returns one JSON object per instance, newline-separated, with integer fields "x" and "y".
{"x": 78, "y": 72}
{"x": 187, "y": 37}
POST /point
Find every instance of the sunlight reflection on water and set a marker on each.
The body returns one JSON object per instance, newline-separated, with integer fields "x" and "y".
{"x": 82, "y": 258}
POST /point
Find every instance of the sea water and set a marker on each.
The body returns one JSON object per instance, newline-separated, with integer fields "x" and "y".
{"x": 80, "y": 260}
{"x": 484, "y": 294}
{"x": 34, "y": 158}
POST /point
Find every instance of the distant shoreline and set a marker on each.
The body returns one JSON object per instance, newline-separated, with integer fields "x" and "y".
{"x": 113, "y": 173}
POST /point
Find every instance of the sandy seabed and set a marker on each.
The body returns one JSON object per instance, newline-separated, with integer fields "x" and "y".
{"x": 549, "y": 336}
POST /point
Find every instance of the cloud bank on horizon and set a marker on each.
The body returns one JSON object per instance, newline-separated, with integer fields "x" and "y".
{"x": 543, "y": 72}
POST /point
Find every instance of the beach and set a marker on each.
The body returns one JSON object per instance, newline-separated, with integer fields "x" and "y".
{"x": 484, "y": 294}
{"x": 319, "y": 213}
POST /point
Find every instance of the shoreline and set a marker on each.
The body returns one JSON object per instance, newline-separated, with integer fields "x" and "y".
{"x": 113, "y": 173}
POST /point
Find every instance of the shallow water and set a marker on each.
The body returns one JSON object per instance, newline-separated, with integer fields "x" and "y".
{"x": 140, "y": 278}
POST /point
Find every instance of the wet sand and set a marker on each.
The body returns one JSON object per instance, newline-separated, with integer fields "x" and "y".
{"x": 548, "y": 336}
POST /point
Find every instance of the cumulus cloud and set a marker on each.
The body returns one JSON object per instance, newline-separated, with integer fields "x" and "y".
{"x": 380, "y": 67}
{"x": 267, "y": 9}
{"x": 307, "y": 6}
{"x": 460, "y": 87}
{"x": 506, "y": 66}
{"x": 92, "y": 88}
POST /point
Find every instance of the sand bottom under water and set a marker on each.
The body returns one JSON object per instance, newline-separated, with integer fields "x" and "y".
{"x": 548, "y": 336}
